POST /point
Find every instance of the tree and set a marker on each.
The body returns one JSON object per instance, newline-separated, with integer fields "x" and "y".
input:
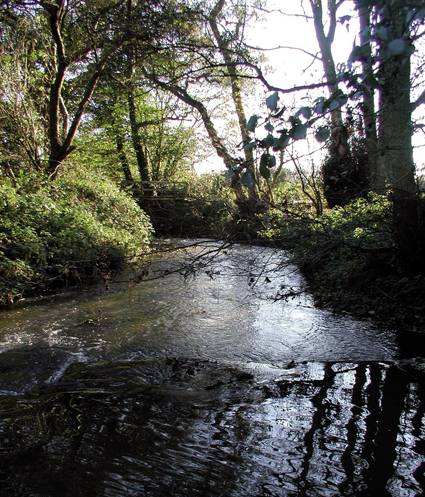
{"x": 343, "y": 179}
{"x": 80, "y": 40}
{"x": 209, "y": 57}
{"x": 22, "y": 94}
{"x": 82, "y": 37}
{"x": 367, "y": 87}
{"x": 388, "y": 30}
{"x": 396, "y": 21}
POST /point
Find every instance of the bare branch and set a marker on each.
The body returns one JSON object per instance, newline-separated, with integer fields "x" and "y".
{"x": 419, "y": 101}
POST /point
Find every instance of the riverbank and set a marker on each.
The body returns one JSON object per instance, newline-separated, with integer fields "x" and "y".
{"x": 55, "y": 235}
{"x": 349, "y": 259}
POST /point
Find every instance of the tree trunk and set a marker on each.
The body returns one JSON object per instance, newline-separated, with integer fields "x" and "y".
{"x": 226, "y": 52}
{"x": 141, "y": 159}
{"x": 338, "y": 184}
{"x": 368, "y": 104}
{"x": 396, "y": 167}
{"x": 230, "y": 162}
{"x": 125, "y": 166}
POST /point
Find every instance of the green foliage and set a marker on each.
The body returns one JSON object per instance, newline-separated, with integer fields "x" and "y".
{"x": 344, "y": 252}
{"x": 199, "y": 206}
{"x": 346, "y": 179}
{"x": 58, "y": 233}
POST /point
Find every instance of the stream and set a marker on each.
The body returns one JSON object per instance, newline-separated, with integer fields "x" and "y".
{"x": 215, "y": 375}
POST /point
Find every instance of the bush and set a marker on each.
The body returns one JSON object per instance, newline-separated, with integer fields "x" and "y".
{"x": 345, "y": 253}
{"x": 55, "y": 233}
{"x": 200, "y": 206}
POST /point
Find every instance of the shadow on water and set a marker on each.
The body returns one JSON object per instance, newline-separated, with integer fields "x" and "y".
{"x": 206, "y": 388}
{"x": 174, "y": 427}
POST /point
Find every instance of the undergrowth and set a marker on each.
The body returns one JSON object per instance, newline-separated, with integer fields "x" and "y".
{"x": 59, "y": 233}
{"x": 350, "y": 260}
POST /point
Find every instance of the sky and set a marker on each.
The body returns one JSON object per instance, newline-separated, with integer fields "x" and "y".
{"x": 287, "y": 67}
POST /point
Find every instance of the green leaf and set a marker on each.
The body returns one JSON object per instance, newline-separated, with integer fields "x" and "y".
{"x": 305, "y": 112}
{"x": 272, "y": 100}
{"x": 281, "y": 142}
{"x": 319, "y": 105}
{"x": 322, "y": 134}
{"x": 265, "y": 171}
{"x": 247, "y": 179}
{"x": 337, "y": 101}
{"x": 272, "y": 161}
{"x": 299, "y": 132}
{"x": 252, "y": 123}
{"x": 267, "y": 160}
{"x": 269, "y": 127}
{"x": 268, "y": 140}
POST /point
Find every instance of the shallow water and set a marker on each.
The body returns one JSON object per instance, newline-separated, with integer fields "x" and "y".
{"x": 205, "y": 383}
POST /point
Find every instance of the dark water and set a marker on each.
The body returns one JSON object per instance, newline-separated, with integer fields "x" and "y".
{"x": 206, "y": 385}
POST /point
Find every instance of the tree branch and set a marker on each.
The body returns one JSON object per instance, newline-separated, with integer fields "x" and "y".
{"x": 418, "y": 102}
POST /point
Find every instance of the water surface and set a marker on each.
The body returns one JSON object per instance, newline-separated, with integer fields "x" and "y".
{"x": 206, "y": 382}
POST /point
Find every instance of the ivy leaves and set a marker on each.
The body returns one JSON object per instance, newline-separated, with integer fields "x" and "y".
{"x": 282, "y": 131}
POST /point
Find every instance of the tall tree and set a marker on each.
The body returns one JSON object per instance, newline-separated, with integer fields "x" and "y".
{"x": 336, "y": 172}
{"x": 210, "y": 58}
{"x": 367, "y": 86}
{"x": 81, "y": 36}
{"x": 227, "y": 44}
{"x": 395, "y": 25}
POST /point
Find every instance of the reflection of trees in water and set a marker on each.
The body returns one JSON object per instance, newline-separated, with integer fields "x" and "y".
{"x": 376, "y": 458}
{"x": 318, "y": 420}
{"x": 383, "y": 452}
{"x": 357, "y": 403}
{"x": 323, "y": 430}
{"x": 417, "y": 423}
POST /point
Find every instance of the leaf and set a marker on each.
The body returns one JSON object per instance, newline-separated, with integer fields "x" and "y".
{"x": 265, "y": 171}
{"x": 335, "y": 104}
{"x": 247, "y": 180}
{"x": 281, "y": 142}
{"x": 319, "y": 105}
{"x": 305, "y": 112}
{"x": 272, "y": 100}
{"x": 267, "y": 160}
{"x": 269, "y": 127}
{"x": 397, "y": 47}
{"x": 322, "y": 134}
{"x": 268, "y": 140}
{"x": 299, "y": 132}
{"x": 249, "y": 145}
{"x": 272, "y": 161}
{"x": 264, "y": 160}
{"x": 252, "y": 123}
{"x": 295, "y": 121}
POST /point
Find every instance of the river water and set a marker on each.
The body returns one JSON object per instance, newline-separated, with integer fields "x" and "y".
{"x": 213, "y": 376}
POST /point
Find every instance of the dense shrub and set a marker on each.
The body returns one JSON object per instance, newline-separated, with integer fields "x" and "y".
{"x": 55, "y": 233}
{"x": 346, "y": 254}
{"x": 199, "y": 206}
